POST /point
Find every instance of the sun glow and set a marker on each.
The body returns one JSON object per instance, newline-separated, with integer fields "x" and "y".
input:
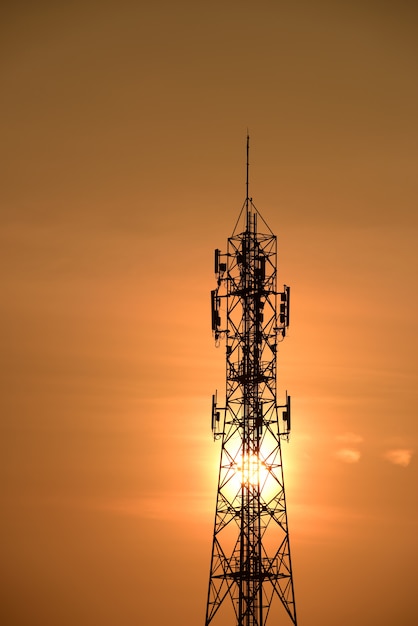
{"x": 256, "y": 469}
{"x": 250, "y": 469}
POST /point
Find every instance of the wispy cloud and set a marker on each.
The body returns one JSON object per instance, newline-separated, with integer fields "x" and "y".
{"x": 348, "y": 455}
{"x": 162, "y": 506}
{"x": 399, "y": 456}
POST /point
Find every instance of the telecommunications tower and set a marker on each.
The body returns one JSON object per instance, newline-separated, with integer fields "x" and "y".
{"x": 250, "y": 563}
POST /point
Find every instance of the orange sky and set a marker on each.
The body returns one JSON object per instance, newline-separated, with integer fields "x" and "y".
{"x": 123, "y": 166}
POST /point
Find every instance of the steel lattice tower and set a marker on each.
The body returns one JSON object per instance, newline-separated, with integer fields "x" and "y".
{"x": 250, "y": 563}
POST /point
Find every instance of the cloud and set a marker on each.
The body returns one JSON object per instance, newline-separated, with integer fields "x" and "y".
{"x": 348, "y": 455}
{"x": 399, "y": 456}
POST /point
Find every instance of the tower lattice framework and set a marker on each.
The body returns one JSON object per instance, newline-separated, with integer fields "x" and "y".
{"x": 250, "y": 563}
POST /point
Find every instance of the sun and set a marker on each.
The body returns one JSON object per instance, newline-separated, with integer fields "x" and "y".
{"x": 251, "y": 470}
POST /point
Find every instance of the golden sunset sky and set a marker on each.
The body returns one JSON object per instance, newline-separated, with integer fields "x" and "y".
{"x": 123, "y": 133}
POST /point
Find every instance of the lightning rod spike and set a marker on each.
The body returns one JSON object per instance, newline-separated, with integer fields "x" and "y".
{"x": 248, "y": 167}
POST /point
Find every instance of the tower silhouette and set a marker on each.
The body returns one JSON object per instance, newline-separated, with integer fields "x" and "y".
{"x": 250, "y": 562}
